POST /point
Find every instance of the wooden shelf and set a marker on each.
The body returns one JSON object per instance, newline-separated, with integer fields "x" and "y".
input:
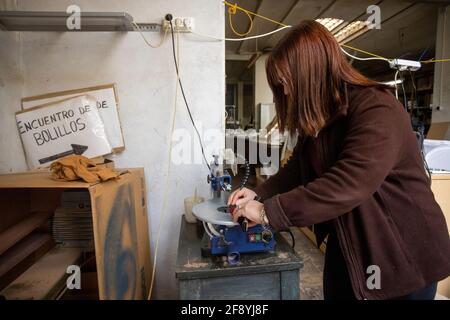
{"x": 46, "y": 278}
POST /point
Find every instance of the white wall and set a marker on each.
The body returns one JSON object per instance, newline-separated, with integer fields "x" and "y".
{"x": 441, "y": 91}
{"x": 263, "y": 94}
{"x": 11, "y": 85}
{"x": 145, "y": 79}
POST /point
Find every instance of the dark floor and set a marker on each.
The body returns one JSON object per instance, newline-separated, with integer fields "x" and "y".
{"x": 311, "y": 273}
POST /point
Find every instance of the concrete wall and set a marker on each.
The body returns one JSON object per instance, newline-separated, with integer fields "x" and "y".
{"x": 36, "y": 62}
{"x": 441, "y": 91}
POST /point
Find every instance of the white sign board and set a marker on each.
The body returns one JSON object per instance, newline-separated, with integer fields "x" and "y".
{"x": 106, "y": 103}
{"x": 63, "y": 128}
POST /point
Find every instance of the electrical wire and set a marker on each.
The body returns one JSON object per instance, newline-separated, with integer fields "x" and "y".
{"x": 414, "y": 95}
{"x": 231, "y": 12}
{"x": 292, "y": 236}
{"x": 434, "y": 60}
{"x": 184, "y": 97}
{"x": 405, "y": 100}
{"x": 166, "y": 191}
{"x": 363, "y": 59}
{"x": 240, "y": 39}
{"x": 395, "y": 83}
{"x": 420, "y": 132}
{"x": 365, "y": 52}
{"x": 145, "y": 39}
{"x": 236, "y": 7}
{"x": 423, "y": 53}
{"x": 246, "y": 175}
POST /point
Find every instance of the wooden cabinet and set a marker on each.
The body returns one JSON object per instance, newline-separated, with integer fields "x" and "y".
{"x": 34, "y": 266}
{"x": 441, "y": 189}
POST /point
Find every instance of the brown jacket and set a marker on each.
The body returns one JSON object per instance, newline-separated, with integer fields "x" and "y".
{"x": 364, "y": 174}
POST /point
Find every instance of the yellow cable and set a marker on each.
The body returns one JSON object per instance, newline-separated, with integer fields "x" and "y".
{"x": 232, "y": 11}
{"x": 235, "y": 7}
{"x": 362, "y": 51}
{"x": 433, "y": 61}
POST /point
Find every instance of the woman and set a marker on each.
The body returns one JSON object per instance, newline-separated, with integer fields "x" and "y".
{"x": 356, "y": 174}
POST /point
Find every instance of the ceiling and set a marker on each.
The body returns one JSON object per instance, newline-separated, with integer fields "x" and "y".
{"x": 408, "y": 28}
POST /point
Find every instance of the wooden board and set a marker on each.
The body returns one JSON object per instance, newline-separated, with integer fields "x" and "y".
{"x": 44, "y": 279}
{"x": 114, "y": 211}
{"x": 14, "y": 206}
{"x": 21, "y": 256}
{"x": 18, "y": 231}
{"x": 37, "y": 180}
{"x": 438, "y": 130}
{"x": 142, "y": 230}
{"x": 441, "y": 190}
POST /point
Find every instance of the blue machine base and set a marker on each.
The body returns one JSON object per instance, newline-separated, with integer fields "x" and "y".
{"x": 238, "y": 241}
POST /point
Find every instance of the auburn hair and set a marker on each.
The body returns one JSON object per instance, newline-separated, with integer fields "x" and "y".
{"x": 308, "y": 59}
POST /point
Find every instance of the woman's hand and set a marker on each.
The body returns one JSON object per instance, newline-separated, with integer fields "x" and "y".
{"x": 250, "y": 210}
{"x": 239, "y": 197}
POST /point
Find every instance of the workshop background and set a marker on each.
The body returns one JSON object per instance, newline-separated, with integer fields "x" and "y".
{"x": 37, "y": 62}
{"x": 216, "y": 76}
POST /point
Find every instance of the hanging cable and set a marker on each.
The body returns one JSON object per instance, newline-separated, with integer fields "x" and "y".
{"x": 166, "y": 191}
{"x": 236, "y": 7}
{"x": 292, "y": 236}
{"x": 145, "y": 39}
{"x": 365, "y": 52}
{"x": 414, "y": 94}
{"x": 364, "y": 59}
{"x": 405, "y": 100}
{"x": 231, "y": 12}
{"x": 240, "y": 39}
{"x": 395, "y": 84}
{"x": 184, "y": 97}
{"x": 434, "y": 60}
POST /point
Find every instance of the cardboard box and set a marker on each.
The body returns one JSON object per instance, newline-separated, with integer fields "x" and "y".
{"x": 119, "y": 215}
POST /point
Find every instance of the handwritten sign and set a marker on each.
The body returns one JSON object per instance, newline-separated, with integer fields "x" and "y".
{"x": 55, "y": 130}
{"x": 107, "y": 105}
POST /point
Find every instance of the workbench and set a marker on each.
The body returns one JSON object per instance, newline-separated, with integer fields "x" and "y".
{"x": 260, "y": 276}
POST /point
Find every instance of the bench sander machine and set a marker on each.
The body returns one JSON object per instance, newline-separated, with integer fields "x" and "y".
{"x": 224, "y": 236}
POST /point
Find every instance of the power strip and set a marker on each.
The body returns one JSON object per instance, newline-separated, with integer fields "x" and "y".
{"x": 405, "y": 65}
{"x": 180, "y": 24}
{"x": 149, "y": 27}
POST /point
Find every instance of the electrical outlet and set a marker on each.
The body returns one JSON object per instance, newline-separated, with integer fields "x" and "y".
{"x": 180, "y": 24}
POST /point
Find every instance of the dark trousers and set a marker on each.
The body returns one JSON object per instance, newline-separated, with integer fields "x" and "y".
{"x": 336, "y": 281}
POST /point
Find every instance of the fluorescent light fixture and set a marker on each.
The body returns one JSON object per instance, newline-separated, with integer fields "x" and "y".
{"x": 330, "y": 23}
{"x": 351, "y": 31}
{"x": 393, "y": 82}
{"x": 57, "y": 21}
